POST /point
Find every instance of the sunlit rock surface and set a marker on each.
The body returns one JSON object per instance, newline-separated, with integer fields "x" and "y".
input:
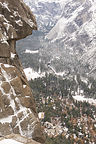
{"x": 17, "y": 106}
{"x": 16, "y": 139}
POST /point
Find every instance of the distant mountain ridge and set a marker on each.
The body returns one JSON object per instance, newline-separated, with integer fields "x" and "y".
{"x": 69, "y": 30}
{"x": 76, "y": 29}
{"x": 47, "y": 12}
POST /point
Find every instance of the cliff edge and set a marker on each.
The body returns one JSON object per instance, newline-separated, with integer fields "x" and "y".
{"x": 17, "y": 106}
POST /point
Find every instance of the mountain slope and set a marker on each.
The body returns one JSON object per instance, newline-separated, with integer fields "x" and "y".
{"x": 76, "y": 29}
{"x": 47, "y": 12}
{"x": 66, "y": 35}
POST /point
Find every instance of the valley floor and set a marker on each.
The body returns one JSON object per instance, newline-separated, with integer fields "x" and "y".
{"x": 66, "y": 119}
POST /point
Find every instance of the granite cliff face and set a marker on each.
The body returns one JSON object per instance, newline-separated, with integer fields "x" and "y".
{"x": 17, "y": 106}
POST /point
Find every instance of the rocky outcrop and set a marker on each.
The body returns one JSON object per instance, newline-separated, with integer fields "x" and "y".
{"x": 17, "y": 139}
{"x": 17, "y": 106}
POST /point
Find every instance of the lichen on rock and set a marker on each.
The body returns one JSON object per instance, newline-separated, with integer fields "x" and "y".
{"x": 17, "y": 105}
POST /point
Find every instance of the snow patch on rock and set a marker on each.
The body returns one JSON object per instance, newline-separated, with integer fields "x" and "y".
{"x": 83, "y": 99}
{"x": 31, "y": 52}
{"x": 9, "y": 141}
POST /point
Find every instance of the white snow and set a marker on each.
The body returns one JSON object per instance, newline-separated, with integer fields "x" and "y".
{"x": 4, "y": 41}
{"x": 31, "y": 74}
{"x": 30, "y": 22}
{"x": 24, "y": 110}
{"x": 8, "y": 66}
{"x": 48, "y": 17}
{"x": 65, "y": 129}
{"x": 85, "y": 80}
{"x": 58, "y": 31}
{"x": 5, "y": 5}
{"x": 16, "y": 13}
{"x": 9, "y": 141}
{"x": 13, "y": 55}
{"x": 83, "y": 99}
{"x": 60, "y": 74}
{"x": 1, "y": 15}
{"x": 6, "y": 120}
{"x": 24, "y": 86}
{"x": 19, "y": 22}
{"x": 41, "y": 115}
{"x": 31, "y": 52}
{"x": 57, "y": 73}
{"x": 7, "y": 25}
{"x": 37, "y": 1}
{"x": 27, "y": 96}
{"x": 12, "y": 103}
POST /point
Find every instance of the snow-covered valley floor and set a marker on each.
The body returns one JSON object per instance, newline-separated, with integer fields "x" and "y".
{"x": 84, "y": 99}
